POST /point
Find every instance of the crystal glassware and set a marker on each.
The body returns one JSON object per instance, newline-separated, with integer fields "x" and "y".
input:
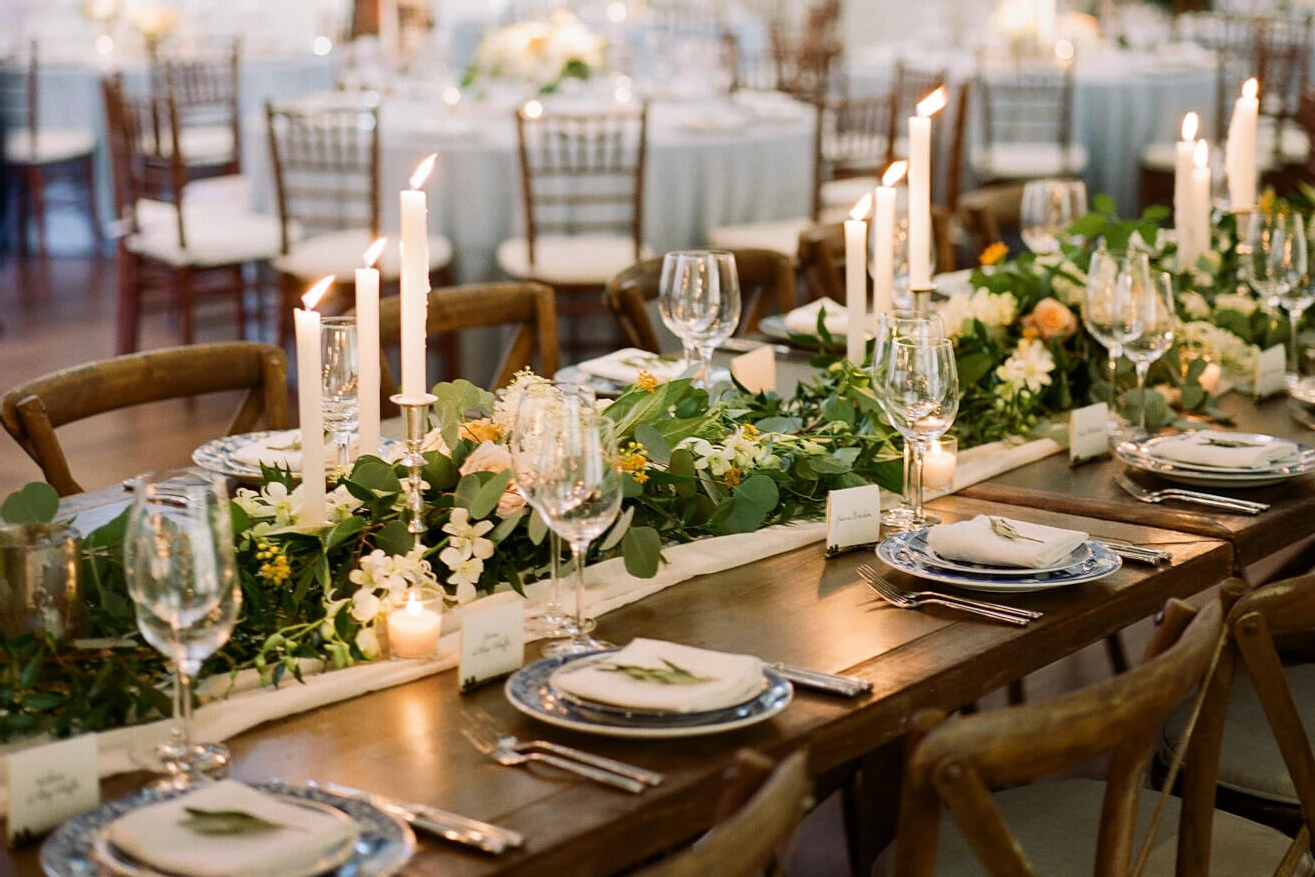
{"x": 340, "y": 403}
{"x": 699, "y": 298}
{"x": 530, "y": 410}
{"x": 1275, "y": 262}
{"x": 1049, "y": 207}
{"x": 1155, "y": 330}
{"x": 182, "y": 577}
{"x": 578, "y": 491}
{"x": 1114, "y": 284}
{"x": 921, "y": 392}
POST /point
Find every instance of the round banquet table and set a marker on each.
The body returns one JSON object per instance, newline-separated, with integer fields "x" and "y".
{"x": 709, "y": 163}
{"x": 1123, "y": 101}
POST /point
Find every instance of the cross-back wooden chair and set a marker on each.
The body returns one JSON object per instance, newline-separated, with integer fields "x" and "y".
{"x": 759, "y": 810}
{"x": 582, "y": 184}
{"x": 524, "y": 308}
{"x": 32, "y": 411}
{"x": 37, "y": 155}
{"x": 767, "y": 286}
{"x": 206, "y": 90}
{"x": 180, "y": 237}
{"x": 1070, "y": 826}
{"x": 1026, "y": 112}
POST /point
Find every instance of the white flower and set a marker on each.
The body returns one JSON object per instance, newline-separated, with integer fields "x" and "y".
{"x": 465, "y": 572}
{"x": 341, "y": 504}
{"x": 1194, "y": 305}
{"x": 274, "y": 503}
{"x": 367, "y": 641}
{"x": 467, "y": 538}
{"x": 992, "y": 310}
{"x": 1241, "y": 302}
{"x": 1028, "y": 368}
{"x": 390, "y": 577}
{"x": 487, "y": 457}
{"x": 365, "y": 605}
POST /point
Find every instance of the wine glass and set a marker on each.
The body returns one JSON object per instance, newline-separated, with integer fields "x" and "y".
{"x": 1274, "y": 262}
{"x": 921, "y": 395}
{"x": 182, "y": 577}
{"x": 699, "y": 297}
{"x": 1049, "y": 207}
{"x": 533, "y": 405}
{"x": 1110, "y": 308}
{"x": 1155, "y": 311}
{"x": 900, "y": 324}
{"x": 578, "y": 489}
{"x": 340, "y": 370}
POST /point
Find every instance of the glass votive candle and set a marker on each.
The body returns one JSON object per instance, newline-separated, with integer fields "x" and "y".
{"x": 414, "y": 627}
{"x": 939, "y": 462}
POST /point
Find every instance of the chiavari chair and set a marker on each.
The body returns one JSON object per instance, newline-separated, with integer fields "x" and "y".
{"x": 206, "y": 91}
{"x": 1026, "y": 112}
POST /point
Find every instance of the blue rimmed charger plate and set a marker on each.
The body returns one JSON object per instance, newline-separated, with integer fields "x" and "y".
{"x": 531, "y": 691}
{"x": 898, "y": 553}
{"x": 217, "y": 455}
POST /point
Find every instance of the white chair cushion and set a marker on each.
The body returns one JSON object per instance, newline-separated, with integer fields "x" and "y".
{"x": 1249, "y": 760}
{"x": 339, "y": 253}
{"x": 1055, "y": 825}
{"x": 1160, "y": 157}
{"x": 214, "y": 238}
{"x": 226, "y": 194}
{"x": 847, "y": 192}
{"x": 52, "y": 145}
{"x": 780, "y": 235}
{"x": 1293, "y": 147}
{"x": 201, "y": 144}
{"x": 1026, "y": 161}
{"x": 559, "y": 260}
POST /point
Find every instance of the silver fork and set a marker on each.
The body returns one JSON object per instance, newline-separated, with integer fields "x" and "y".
{"x": 1242, "y": 506}
{"x": 502, "y": 755}
{"x": 647, "y": 777}
{"x": 913, "y": 599}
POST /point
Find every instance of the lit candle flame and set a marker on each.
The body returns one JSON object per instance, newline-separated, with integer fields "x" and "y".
{"x": 532, "y": 109}
{"x": 932, "y": 103}
{"x": 316, "y": 292}
{"x": 862, "y": 208}
{"x": 894, "y": 173}
{"x": 372, "y": 255}
{"x": 451, "y": 95}
{"x": 423, "y": 170}
{"x": 1201, "y": 155}
{"x": 413, "y": 607}
{"x": 1064, "y": 51}
{"x": 1191, "y": 122}
{"x": 1251, "y": 88}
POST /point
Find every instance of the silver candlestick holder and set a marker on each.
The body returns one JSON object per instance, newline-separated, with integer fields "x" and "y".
{"x": 415, "y": 420}
{"x": 922, "y": 298}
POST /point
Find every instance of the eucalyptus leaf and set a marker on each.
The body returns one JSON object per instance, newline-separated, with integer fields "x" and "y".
{"x": 227, "y": 822}
{"x": 33, "y": 503}
{"x": 486, "y": 500}
{"x": 642, "y": 549}
{"x": 655, "y": 445}
{"x": 393, "y": 538}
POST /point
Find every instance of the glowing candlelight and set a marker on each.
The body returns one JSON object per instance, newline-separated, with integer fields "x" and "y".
{"x": 367, "y": 332}
{"x": 413, "y": 630}
{"x": 920, "y": 189}
{"x": 856, "y": 279}
{"x": 309, "y": 395}
{"x": 1240, "y": 153}
{"x": 415, "y": 280}
{"x": 883, "y": 247}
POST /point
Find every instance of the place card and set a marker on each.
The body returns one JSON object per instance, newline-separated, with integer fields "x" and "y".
{"x": 50, "y": 784}
{"x": 1271, "y": 372}
{"x": 853, "y": 518}
{"x": 492, "y": 640}
{"x": 1088, "y": 433}
{"x": 756, "y": 370}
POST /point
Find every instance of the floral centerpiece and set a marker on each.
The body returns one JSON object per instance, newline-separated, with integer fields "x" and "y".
{"x": 542, "y": 53}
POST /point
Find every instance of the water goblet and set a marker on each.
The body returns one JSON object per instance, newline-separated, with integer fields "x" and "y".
{"x": 1049, "y": 207}
{"x": 340, "y": 371}
{"x": 181, "y": 574}
{"x": 578, "y": 489}
{"x": 1277, "y": 264}
{"x": 699, "y": 298}
{"x": 922, "y": 398}
{"x": 1156, "y": 318}
{"x": 1110, "y": 309}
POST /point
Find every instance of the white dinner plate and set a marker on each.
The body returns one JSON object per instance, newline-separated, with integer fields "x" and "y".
{"x": 217, "y": 455}
{"x": 895, "y": 554}
{"x": 1134, "y": 455}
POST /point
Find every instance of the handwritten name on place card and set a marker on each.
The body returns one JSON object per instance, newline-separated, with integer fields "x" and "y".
{"x": 492, "y": 640}
{"x": 51, "y": 783}
{"x": 853, "y": 517}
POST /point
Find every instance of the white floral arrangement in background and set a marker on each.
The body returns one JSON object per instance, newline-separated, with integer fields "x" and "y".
{"x": 542, "y": 52}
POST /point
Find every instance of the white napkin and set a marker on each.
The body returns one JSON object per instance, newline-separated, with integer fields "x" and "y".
{"x": 729, "y": 679}
{"x": 1215, "y": 447}
{"x": 277, "y": 449}
{"x": 157, "y": 836}
{"x": 803, "y": 320}
{"x": 623, "y": 366}
{"x": 976, "y": 541}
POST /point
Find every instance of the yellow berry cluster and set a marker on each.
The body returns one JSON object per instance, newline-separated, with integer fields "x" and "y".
{"x": 634, "y": 459}
{"x": 994, "y": 254}
{"x": 274, "y": 566}
{"x": 733, "y": 476}
{"x": 645, "y": 381}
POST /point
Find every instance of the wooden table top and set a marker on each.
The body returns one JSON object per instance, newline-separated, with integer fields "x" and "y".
{"x": 796, "y": 607}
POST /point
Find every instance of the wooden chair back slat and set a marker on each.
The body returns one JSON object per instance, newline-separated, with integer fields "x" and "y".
{"x": 32, "y": 411}
{"x": 206, "y": 90}
{"x": 1026, "y": 104}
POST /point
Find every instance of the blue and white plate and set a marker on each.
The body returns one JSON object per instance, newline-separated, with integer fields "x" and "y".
{"x": 1144, "y": 455}
{"x": 531, "y": 691}
{"x": 896, "y": 553}
{"x": 384, "y": 844}
{"x": 217, "y": 455}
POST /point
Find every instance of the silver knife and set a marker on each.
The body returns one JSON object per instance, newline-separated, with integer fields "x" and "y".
{"x": 831, "y": 683}
{"x": 450, "y": 826}
{"x": 1137, "y": 553}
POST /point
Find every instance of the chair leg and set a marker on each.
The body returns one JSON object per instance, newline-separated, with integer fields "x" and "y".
{"x": 130, "y": 302}
{"x": 37, "y": 192}
{"x": 23, "y": 184}
{"x": 1117, "y": 655}
{"x": 240, "y": 285}
{"x": 186, "y": 306}
{"x": 1016, "y": 693}
{"x": 88, "y": 173}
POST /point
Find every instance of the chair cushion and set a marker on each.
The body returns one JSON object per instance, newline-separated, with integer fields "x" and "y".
{"x": 1249, "y": 760}
{"x": 559, "y": 260}
{"x": 1294, "y": 144}
{"x": 339, "y": 253}
{"x": 53, "y": 145}
{"x": 214, "y": 238}
{"x": 1055, "y": 825}
{"x": 1026, "y": 161}
{"x": 201, "y": 144}
{"x": 781, "y": 235}
{"x": 1160, "y": 157}
{"x": 846, "y": 192}
{"x": 227, "y": 194}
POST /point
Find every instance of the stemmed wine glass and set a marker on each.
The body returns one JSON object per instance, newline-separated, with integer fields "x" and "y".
{"x": 340, "y": 370}
{"x": 1049, "y": 207}
{"x": 1155, "y": 322}
{"x": 578, "y": 490}
{"x": 699, "y": 297}
{"x": 182, "y": 576}
{"x": 534, "y": 406}
{"x": 1274, "y": 262}
{"x": 921, "y": 396}
{"x": 901, "y": 324}
{"x": 1114, "y": 284}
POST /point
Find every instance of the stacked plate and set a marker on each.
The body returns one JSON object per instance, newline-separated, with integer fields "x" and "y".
{"x": 1146, "y": 455}
{"x": 532, "y": 690}
{"x": 220, "y": 455}
{"x": 910, "y": 553}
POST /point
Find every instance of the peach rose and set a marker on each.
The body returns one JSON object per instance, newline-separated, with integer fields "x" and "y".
{"x": 1051, "y": 318}
{"x": 490, "y": 457}
{"x": 483, "y": 430}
